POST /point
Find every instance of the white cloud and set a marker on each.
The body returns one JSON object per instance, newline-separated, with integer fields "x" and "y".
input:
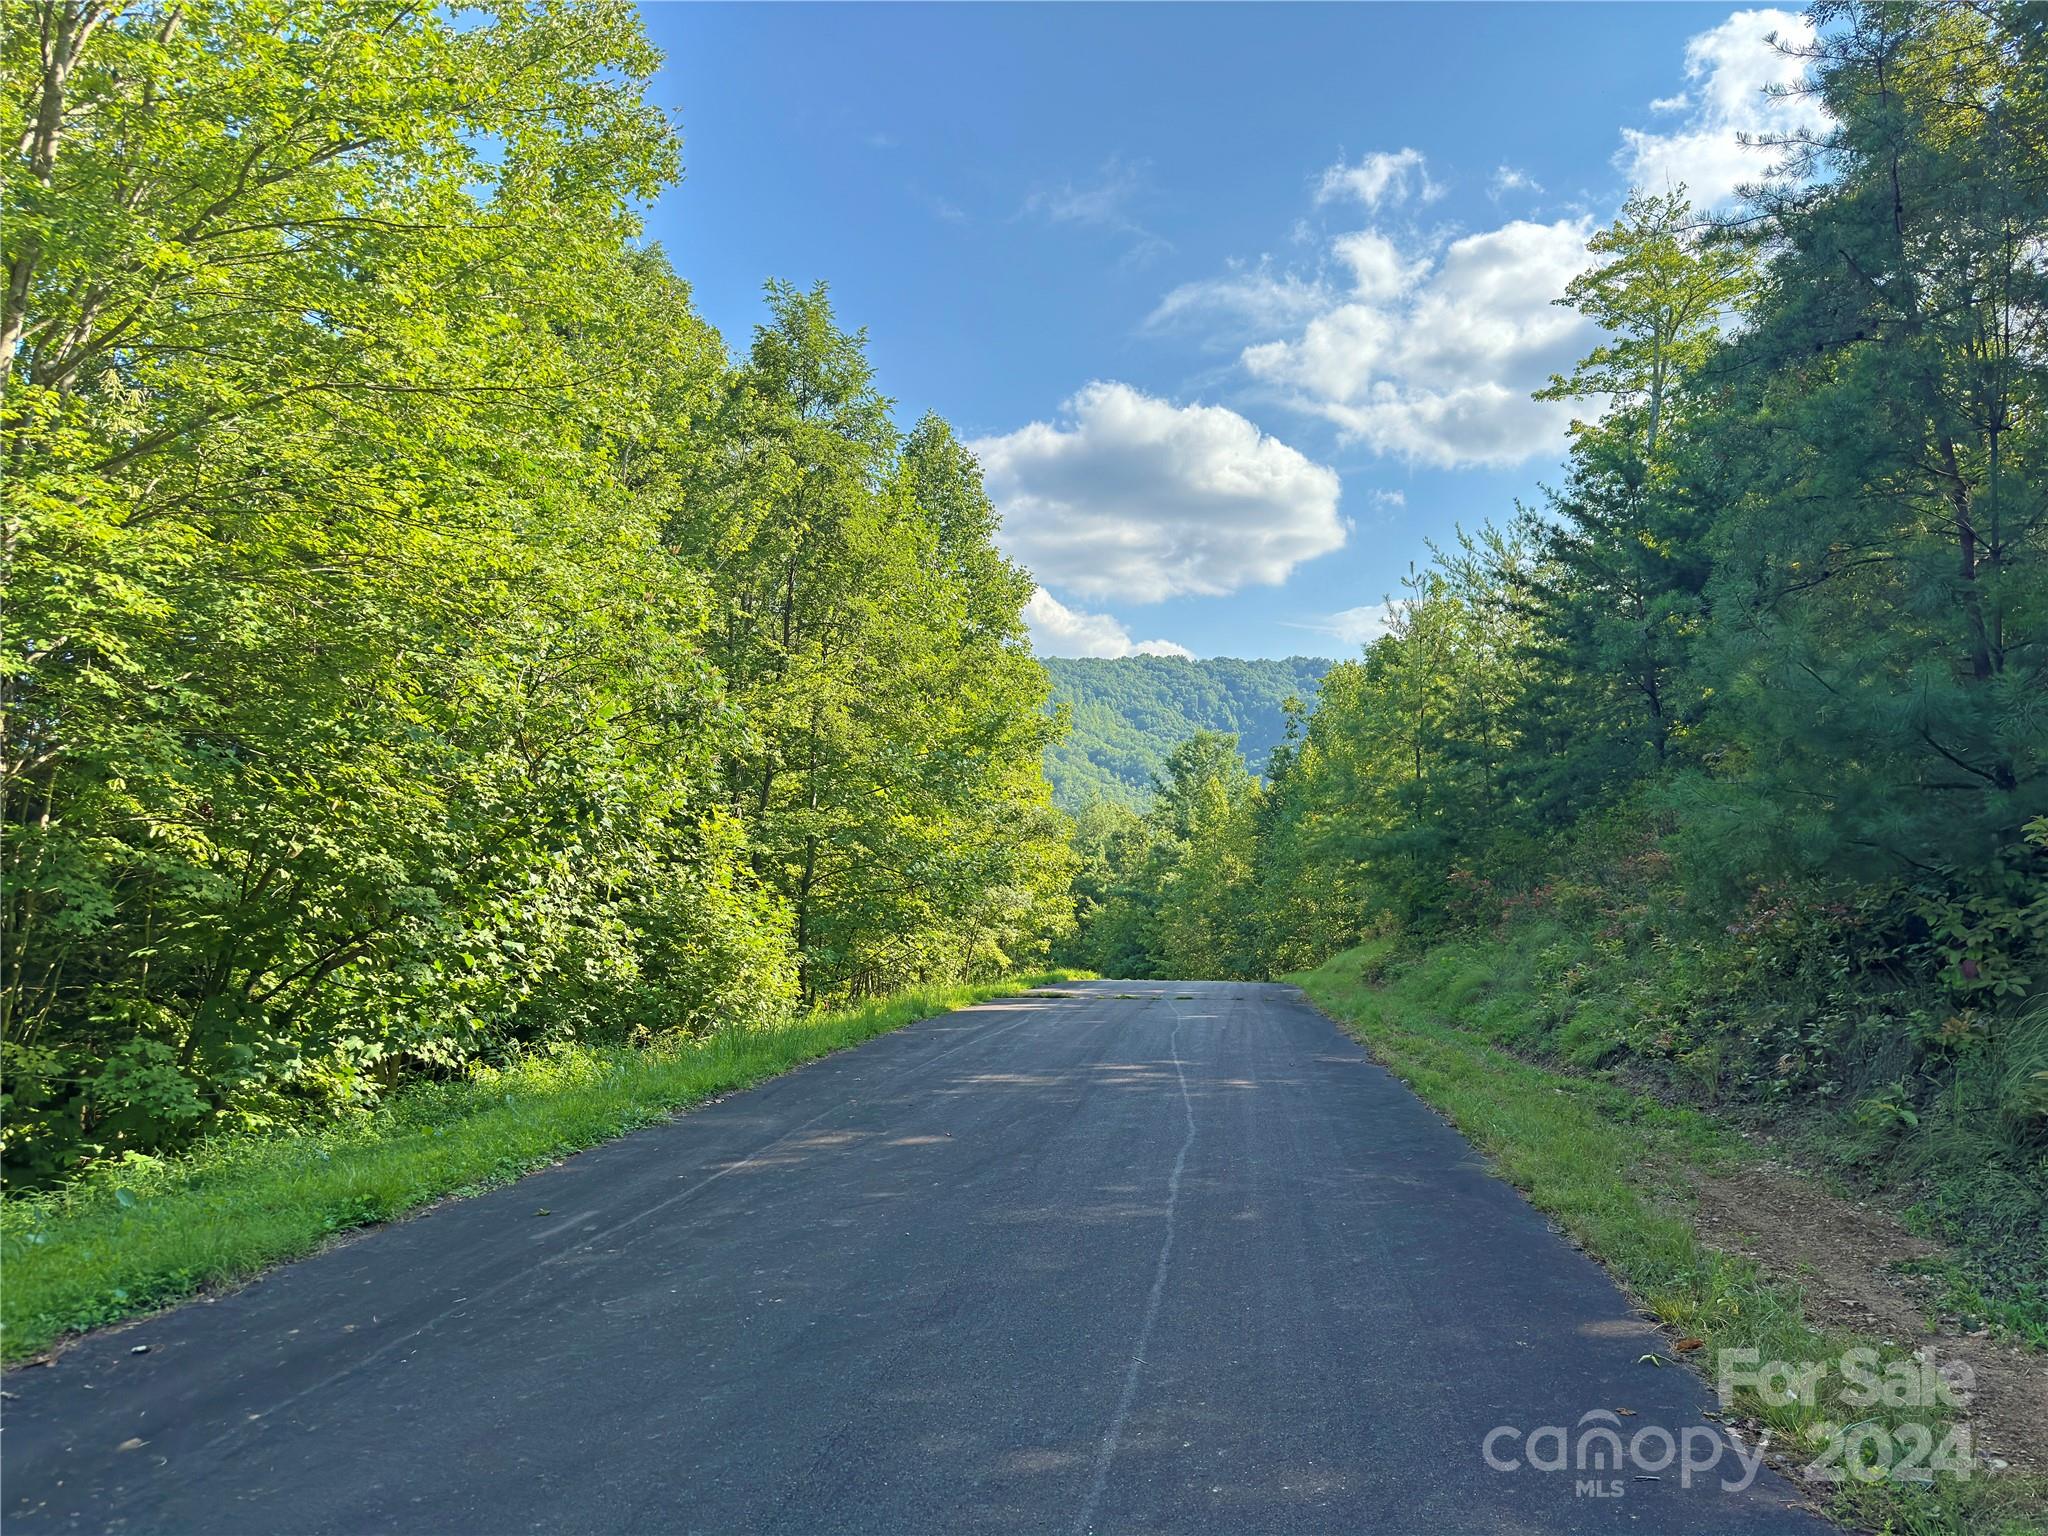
{"x": 1507, "y": 178}
{"x": 1258, "y": 299}
{"x": 941, "y": 208}
{"x": 1057, "y": 630}
{"x": 1428, "y": 352}
{"x": 1359, "y": 626}
{"x": 1104, "y": 201}
{"x": 1354, "y": 627}
{"x": 1378, "y": 269}
{"x": 1389, "y": 498}
{"x": 1389, "y": 176}
{"x": 1437, "y": 368}
{"x": 1732, "y": 70}
{"x": 1133, "y": 497}
{"x": 1255, "y": 298}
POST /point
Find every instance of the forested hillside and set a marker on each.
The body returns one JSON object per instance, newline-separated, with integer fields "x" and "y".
{"x": 1128, "y": 713}
{"x": 428, "y": 640}
{"x": 1727, "y": 767}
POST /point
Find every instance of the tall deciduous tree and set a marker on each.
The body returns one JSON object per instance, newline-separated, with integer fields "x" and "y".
{"x": 423, "y": 640}
{"x": 873, "y": 639}
{"x": 1660, "y": 290}
{"x": 1617, "y": 595}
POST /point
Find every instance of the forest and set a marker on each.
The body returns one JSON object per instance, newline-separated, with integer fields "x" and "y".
{"x": 1125, "y": 714}
{"x": 428, "y": 642}
{"x": 1725, "y": 768}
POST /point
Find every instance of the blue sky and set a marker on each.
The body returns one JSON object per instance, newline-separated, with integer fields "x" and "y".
{"x": 1239, "y": 306}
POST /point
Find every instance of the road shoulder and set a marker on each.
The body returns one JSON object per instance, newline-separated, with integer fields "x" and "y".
{"x": 1621, "y": 1176}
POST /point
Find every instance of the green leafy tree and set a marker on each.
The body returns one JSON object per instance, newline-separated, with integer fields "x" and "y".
{"x": 424, "y": 643}
{"x": 1114, "y": 901}
{"x": 1660, "y": 293}
{"x": 872, "y": 636}
{"x": 335, "y": 656}
{"x": 1616, "y": 595}
{"x": 1881, "y": 549}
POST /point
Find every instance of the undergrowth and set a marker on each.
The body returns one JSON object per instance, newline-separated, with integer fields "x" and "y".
{"x": 1847, "y": 1036}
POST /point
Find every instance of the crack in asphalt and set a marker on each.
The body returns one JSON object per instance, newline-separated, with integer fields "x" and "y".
{"x": 1106, "y": 1453}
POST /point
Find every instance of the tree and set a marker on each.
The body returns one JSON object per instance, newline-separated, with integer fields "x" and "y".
{"x": 1113, "y": 899}
{"x": 1881, "y": 583}
{"x": 1616, "y": 594}
{"x": 1661, "y": 298}
{"x": 345, "y": 676}
{"x": 428, "y": 644}
{"x": 872, "y": 636}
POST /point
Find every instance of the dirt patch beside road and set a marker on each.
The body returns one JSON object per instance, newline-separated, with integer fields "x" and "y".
{"x": 1846, "y": 1257}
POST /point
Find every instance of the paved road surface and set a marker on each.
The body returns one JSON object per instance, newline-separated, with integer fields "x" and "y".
{"x": 1147, "y": 1257}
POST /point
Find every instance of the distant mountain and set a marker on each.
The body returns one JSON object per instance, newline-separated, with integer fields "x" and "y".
{"x": 1130, "y": 712}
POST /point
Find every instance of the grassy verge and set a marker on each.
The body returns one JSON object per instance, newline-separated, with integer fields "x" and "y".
{"x": 1610, "y": 1166}
{"x": 1831, "y": 1061}
{"x": 130, "y": 1238}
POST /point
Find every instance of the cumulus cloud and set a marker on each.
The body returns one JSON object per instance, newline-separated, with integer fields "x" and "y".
{"x": 1378, "y": 269}
{"x": 1732, "y": 72}
{"x": 1134, "y": 497}
{"x": 1428, "y": 352}
{"x": 1389, "y": 176}
{"x": 1431, "y": 357}
{"x": 1057, "y": 630}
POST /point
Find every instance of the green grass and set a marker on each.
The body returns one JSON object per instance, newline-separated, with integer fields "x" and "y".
{"x": 1598, "y": 993}
{"x": 133, "y": 1237}
{"x": 1609, "y": 1165}
{"x": 1960, "y": 1296}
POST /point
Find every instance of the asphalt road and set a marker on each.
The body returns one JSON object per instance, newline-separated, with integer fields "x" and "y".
{"x": 1147, "y": 1257}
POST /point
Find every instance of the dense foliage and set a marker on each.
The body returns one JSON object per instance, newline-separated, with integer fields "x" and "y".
{"x": 1125, "y": 715}
{"x": 423, "y": 639}
{"x": 1742, "y": 739}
